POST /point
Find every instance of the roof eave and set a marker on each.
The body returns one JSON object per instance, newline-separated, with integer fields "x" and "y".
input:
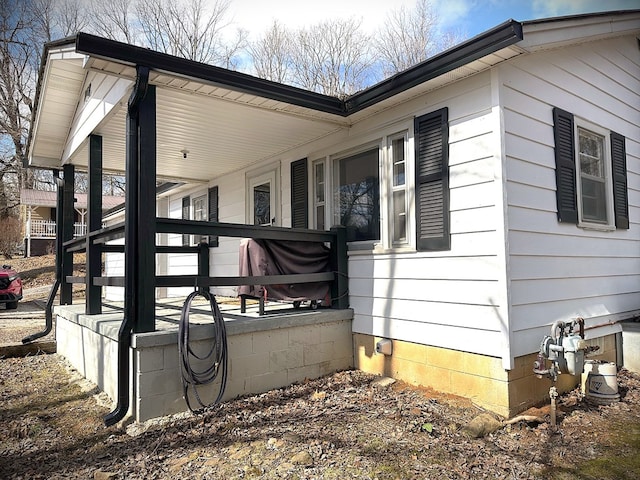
{"x": 134, "y": 55}
{"x": 491, "y": 41}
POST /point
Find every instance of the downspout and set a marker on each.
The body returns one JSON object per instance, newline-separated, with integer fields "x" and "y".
{"x": 131, "y": 246}
{"x": 48, "y": 311}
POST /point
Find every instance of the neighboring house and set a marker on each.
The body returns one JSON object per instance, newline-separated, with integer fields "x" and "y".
{"x": 487, "y": 192}
{"x": 39, "y": 218}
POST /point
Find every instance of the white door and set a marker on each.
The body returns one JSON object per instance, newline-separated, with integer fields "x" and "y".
{"x": 262, "y": 199}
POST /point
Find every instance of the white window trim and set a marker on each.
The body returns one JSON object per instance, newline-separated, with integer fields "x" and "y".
{"x": 195, "y": 239}
{"x": 328, "y": 212}
{"x": 587, "y": 225}
{"x": 388, "y": 188}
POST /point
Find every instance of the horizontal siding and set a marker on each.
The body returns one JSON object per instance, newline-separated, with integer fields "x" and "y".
{"x": 560, "y": 271}
{"x": 451, "y": 298}
{"x": 475, "y": 340}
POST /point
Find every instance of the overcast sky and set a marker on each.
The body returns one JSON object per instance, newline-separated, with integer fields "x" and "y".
{"x": 467, "y": 16}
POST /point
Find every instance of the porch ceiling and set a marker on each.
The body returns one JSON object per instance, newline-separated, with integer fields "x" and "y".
{"x": 224, "y": 120}
{"x": 221, "y": 130}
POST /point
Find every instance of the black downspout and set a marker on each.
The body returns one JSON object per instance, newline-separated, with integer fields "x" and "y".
{"x": 131, "y": 245}
{"x": 48, "y": 326}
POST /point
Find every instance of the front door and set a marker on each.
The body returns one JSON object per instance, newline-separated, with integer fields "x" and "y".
{"x": 262, "y": 199}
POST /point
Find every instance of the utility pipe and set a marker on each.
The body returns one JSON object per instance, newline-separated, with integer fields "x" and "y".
{"x": 131, "y": 245}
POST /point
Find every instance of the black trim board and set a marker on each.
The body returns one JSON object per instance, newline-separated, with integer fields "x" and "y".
{"x": 492, "y": 40}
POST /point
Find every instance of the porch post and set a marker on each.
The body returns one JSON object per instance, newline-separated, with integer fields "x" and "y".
{"x": 93, "y": 304}
{"x": 339, "y": 264}
{"x": 146, "y": 255}
{"x": 65, "y": 219}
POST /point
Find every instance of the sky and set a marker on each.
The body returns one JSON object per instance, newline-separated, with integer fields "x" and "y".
{"x": 469, "y": 17}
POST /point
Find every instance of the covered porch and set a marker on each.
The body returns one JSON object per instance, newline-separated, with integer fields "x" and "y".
{"x": 103, "y": 106}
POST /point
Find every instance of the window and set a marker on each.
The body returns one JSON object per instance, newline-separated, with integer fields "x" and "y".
{"x": 397, "y": 154}
{"x": 591, "y": 177}
{"x": 194, "y": 209}
{"x": 357, "y": 195}
{"x": 414, "y": 180}
{"x": 319, "y": 194}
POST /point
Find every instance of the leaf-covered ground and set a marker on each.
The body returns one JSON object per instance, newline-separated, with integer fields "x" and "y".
{"x": 344, "y": 426}
{"x": 341, "y": 426}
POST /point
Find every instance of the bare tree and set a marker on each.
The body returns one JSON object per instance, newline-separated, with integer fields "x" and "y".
{"x": 114, "y": 20}
{"x": 410, "y": 36}
{"x": 271, "y": 54}
{"x": 332, "y": 57}
{"x": 17, "y": 77}
{"x": 187, "y": 28}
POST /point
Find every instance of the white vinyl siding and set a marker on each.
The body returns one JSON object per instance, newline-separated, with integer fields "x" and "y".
{"x": 453, "y": 298}
{"x": 559, "y": 271}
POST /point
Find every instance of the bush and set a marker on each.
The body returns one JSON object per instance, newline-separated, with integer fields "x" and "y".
{"x": 10, "y": 235}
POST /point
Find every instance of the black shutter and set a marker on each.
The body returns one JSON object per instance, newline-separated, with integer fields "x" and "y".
{"x": 566, "y": 196}
{"x": 619, "y": 169}
{"x": 432, "y": 181}
{"x": 213, "y": 213}
{"x": 186, "y": 203}
{"x": 299, "y": 194}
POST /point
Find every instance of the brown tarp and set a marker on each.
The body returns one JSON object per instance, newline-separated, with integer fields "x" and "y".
{"x": 283, "y": 257}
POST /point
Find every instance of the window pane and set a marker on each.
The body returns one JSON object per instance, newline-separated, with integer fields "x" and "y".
{"x": 591, "y": 153}
{"x": 399, "y": 217}
{"x": 593, "y": 200}
{"x": 358, "y": 197}
{"x": 319, "y": 182}
{"x": 320, "y": 217}
{"x": 397, "y": 149}
{"x": 262, "y": 204}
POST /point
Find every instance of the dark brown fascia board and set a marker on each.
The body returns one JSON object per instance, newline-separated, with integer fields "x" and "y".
{"x": 134, "y": 55}
{"x": 492, "y": 40}
{"x": 501, "y": 36}
{"x": 486, "y": 43}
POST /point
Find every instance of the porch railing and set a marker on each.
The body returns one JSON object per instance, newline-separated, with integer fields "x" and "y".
{"x": 47, "y": 229}
{"x": 99, "y": 239}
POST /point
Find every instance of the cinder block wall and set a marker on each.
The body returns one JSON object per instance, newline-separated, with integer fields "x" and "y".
{"x": 258, "y": 361}
{"x": 264, "y": 354}
{"x": 478, "y": 377}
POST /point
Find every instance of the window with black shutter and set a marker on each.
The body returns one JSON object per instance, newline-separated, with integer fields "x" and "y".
{"x": 591, "y": 173}
{"x": 432, "y": 181}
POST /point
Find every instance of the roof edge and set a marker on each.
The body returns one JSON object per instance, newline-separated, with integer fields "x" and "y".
{"x": 135, "y": 55}
{"x": 490, "y": 41}
{"x": 564, "y": 18}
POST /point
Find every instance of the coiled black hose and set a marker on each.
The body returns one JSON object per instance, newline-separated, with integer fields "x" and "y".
{"x": 215, "y": 360}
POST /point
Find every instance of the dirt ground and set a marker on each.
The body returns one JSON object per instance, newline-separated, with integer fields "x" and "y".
{"x": 346, "y": 425}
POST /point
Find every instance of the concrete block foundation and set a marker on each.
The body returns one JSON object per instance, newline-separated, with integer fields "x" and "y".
{"x": 266, "y": 352}
{"x": 478, "y": 377}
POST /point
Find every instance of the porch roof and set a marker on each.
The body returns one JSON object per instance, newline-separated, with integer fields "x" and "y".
{"x": 212, "y": 121}
{"x": 43, "y": 198}
{"x": 223, "y": 120}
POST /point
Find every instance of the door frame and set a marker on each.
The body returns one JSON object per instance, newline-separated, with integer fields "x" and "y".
{"x": 266, "y": 174}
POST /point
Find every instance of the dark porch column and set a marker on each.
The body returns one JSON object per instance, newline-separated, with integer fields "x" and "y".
{"x": 68, "y": 199}
{"x": 140, "y": 213}
{"x": 146, "y": 258}
{"x": 94, "y": 222}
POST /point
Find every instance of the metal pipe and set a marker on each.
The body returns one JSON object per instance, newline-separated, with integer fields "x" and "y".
{"x": 48, "y": 326}
{"x": 553, "y": 394}
{"x": 131, "y": 246}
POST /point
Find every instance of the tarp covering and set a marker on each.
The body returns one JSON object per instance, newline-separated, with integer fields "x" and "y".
{"x": 283, "y": 257}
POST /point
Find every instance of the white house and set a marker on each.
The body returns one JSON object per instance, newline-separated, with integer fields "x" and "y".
{"x": 486, "y": 192}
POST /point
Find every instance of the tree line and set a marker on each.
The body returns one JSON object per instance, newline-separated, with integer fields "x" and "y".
{"x": 335, "y": 57}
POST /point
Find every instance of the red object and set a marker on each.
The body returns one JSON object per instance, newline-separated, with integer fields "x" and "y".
{"x": 10, "y": 287}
